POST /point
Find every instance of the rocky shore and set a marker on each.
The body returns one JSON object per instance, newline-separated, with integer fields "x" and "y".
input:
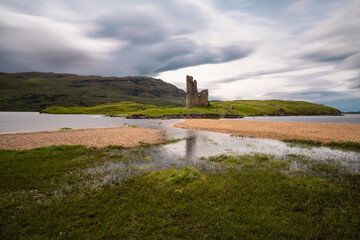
{"x": 184, "y": 116}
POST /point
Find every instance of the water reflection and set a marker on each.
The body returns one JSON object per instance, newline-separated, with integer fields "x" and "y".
{"x": 190, "y": 146}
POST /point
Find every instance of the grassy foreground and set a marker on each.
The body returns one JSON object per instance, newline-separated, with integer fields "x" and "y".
{"x": 239, "y": 107}
{"x": 60, "y": 192}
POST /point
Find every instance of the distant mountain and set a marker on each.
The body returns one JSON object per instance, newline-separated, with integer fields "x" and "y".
{"x": 34, "y": 91}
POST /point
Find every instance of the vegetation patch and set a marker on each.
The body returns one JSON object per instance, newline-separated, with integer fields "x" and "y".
{"x": 256, "y": 197}
{"x": 349, "y": 146}
{"x": 250, "y": 161}
{"x": 65, "y": 129}
{"x": 239, "y": 108}
{"x": 109, "y": 109}
{"x": 175, "y": 176}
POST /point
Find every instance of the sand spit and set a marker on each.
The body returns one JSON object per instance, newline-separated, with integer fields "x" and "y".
{"x": 97, "y": 137}
{"x": 324, "y": 132}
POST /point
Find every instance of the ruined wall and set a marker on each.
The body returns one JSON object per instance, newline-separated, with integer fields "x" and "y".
{"x": 193, "y": 97}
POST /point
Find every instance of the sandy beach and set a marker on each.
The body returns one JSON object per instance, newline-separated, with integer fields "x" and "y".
{"x": 324, "y": 132}
{"x": 98, "y": 137}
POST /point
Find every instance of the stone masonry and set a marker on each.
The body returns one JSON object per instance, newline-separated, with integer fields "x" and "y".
{"x": 193, "y": 97}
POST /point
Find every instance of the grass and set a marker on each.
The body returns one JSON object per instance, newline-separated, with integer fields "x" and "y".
{"x": 349, "y": 146}
{"x": 175, "y": 177}
{"x": 65, "y": 129}
{"x": 240, "y": 107}
{"x": 259, "y": 197}
{"x": 110, "y": 108}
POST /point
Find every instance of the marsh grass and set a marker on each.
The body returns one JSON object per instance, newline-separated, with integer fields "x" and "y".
{"x": 351, "y": 146}
{"x": 257, "y": 197}
{"x": 348, "y": 146}
{"x": 65, "y": 129}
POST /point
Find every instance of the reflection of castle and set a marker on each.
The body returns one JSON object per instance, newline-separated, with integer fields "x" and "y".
{"x": 190, "y": 147}
{"x": 193, "y": 97}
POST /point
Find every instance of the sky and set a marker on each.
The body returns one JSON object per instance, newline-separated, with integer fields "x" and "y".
{"x": 305, "y": 50}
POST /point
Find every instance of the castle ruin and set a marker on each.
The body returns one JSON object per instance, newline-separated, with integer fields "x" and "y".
{"x": 193, "y": 97}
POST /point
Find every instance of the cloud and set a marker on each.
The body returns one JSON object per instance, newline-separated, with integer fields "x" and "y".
{"x": 298, "y": 6}
{"x": 39, "y": 43}
{"x": 166, "y": 37}
{"x": 119, "y": 38}
{"x": 334, "y": 39}
{"x": 205, "y": 56}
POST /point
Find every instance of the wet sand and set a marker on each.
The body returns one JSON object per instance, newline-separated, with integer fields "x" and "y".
{"x": 98, "y": 137}
{"x": 324, "y": 132}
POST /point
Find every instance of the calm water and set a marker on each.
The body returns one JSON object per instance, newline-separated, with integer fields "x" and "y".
{"x": 195, "y": 144}
{"x": 12, "y": 122}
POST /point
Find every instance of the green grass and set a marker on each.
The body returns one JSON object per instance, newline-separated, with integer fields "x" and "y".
{"x": 257, "y": 197}
{"x": 175, "y": 177}
{"x": 240, "y": 107}
{"x": 110, "y": 108}
{"x": 65, "y": 129}
{"x": 350, "y": 146}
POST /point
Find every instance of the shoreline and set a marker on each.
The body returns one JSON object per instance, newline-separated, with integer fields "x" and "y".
{"x": 90, "y": 137}
{"x": 324, "y": 132}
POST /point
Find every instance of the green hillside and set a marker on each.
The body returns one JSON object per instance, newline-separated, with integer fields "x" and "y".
{"x": 34, "y": 91}
{"x": 239, "y": 107}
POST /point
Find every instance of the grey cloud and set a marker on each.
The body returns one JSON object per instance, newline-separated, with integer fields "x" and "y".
{"x": 203, "y": 55}
{"x": 352, "y": 62}
{"x": 334, "y": 39}
{"x": 32, "y": 49}
{"x": 310, "y": 94}
{"x": 172, "y": 48}
{"x": 257, "y": 74}
{"x": 135, "y": 28}
{"x": 154, "y": 32}
{"x": 355, "y": 82}
{"x": 155, "y": 44}
{"x": 326, "y": 55}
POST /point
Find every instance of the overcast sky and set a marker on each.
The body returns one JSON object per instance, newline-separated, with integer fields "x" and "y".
{"x": 239, "y": 49}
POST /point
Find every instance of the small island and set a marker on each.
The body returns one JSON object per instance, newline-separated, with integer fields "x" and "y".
{"x": 198, "y": 106}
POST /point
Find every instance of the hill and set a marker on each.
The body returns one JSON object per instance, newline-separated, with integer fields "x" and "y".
{"x": 239, "y": 107}
{"x": 34, "y": 91}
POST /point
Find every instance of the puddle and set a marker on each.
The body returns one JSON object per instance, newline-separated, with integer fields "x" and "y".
{"x": 196, "y": 146}
{"x": 204, "y": 144}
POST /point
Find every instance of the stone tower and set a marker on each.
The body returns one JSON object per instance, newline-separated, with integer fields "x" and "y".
{"x": 193, "y": 97}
